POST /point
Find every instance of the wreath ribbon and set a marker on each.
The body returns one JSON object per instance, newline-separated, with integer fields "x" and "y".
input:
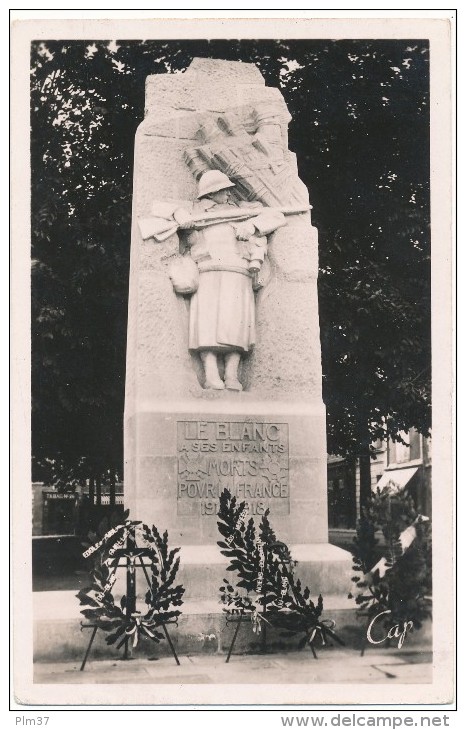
{"x": 140, "y": 624}
{"x": 256, "y": 619}
{"x": 321, "y": 629}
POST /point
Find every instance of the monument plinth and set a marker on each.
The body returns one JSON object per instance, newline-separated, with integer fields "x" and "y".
{"x": 224, "y": 374}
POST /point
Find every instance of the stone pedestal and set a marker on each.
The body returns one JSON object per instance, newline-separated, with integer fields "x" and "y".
{"x": 183, "y": 443}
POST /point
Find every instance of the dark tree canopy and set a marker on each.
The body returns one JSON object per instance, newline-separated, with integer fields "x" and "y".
{"x": 360, "y": 129}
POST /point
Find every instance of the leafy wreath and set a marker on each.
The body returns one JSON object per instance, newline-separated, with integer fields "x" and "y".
{"x": 161, "y": 597}
{"x": 266, "y": 591}
{"x": 401, "y": 580}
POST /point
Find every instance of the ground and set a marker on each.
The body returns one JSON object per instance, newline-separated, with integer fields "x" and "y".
{"x": 377, "y": 666}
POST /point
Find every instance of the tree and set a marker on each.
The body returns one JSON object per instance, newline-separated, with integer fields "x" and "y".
{"x": 360, "y": 128}
{"x": 367, "y": 167}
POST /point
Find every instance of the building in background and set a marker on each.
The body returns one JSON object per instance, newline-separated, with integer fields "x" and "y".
{"x": 410, "y": 466}
{"x": 402, "y": 464}
{"x": 75, "y": 512}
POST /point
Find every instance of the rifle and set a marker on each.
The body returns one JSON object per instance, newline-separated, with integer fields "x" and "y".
{"x": 161, "y": 228}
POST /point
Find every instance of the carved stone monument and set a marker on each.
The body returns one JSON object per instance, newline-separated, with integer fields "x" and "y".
{"x": 224, "y": 374}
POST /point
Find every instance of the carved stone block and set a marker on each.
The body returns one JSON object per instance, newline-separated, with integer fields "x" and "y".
{"x": 182, "y": 441}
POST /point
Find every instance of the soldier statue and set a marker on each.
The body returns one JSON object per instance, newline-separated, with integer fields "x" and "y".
{"x": 229, "y": 255}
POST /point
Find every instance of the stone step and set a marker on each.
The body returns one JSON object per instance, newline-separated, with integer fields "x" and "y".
{"x": 202, "y": 629}
{"x": 323, "y": 567}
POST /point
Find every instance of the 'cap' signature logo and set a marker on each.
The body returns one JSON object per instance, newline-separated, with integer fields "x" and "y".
{"x": 397, "y": 631}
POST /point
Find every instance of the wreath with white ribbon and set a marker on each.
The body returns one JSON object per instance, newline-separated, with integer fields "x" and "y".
{"x": 266, "y": 591}
{"x": 134, "y": 541}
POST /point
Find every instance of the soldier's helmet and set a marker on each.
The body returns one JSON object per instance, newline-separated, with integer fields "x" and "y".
{"x": 212, "y": 181}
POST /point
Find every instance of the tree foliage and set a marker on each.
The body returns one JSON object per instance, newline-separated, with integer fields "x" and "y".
{"x": 360, "y": 131}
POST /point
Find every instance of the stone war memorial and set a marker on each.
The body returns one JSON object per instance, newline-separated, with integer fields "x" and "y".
{"x": 223, "y": 385}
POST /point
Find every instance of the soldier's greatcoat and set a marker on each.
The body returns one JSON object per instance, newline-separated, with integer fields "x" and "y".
{"x": 222, "y": 309}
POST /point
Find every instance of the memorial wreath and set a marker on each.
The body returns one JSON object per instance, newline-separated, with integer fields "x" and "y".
{"x": 398, "y": 584}
{"x": 267, "y": 591}
{"x": 117, "y": 618}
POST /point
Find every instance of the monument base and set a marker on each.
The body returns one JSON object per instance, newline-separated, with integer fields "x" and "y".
{"x": 202, "y": 629}
{"x": 272, "y": 459}
{"x": 270, "y": 455}
{"x": 323, "y": 567}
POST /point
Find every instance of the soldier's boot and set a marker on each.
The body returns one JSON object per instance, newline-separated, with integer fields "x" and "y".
{"x": 232, "y": 360}
{"x": 212, "y": 378}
